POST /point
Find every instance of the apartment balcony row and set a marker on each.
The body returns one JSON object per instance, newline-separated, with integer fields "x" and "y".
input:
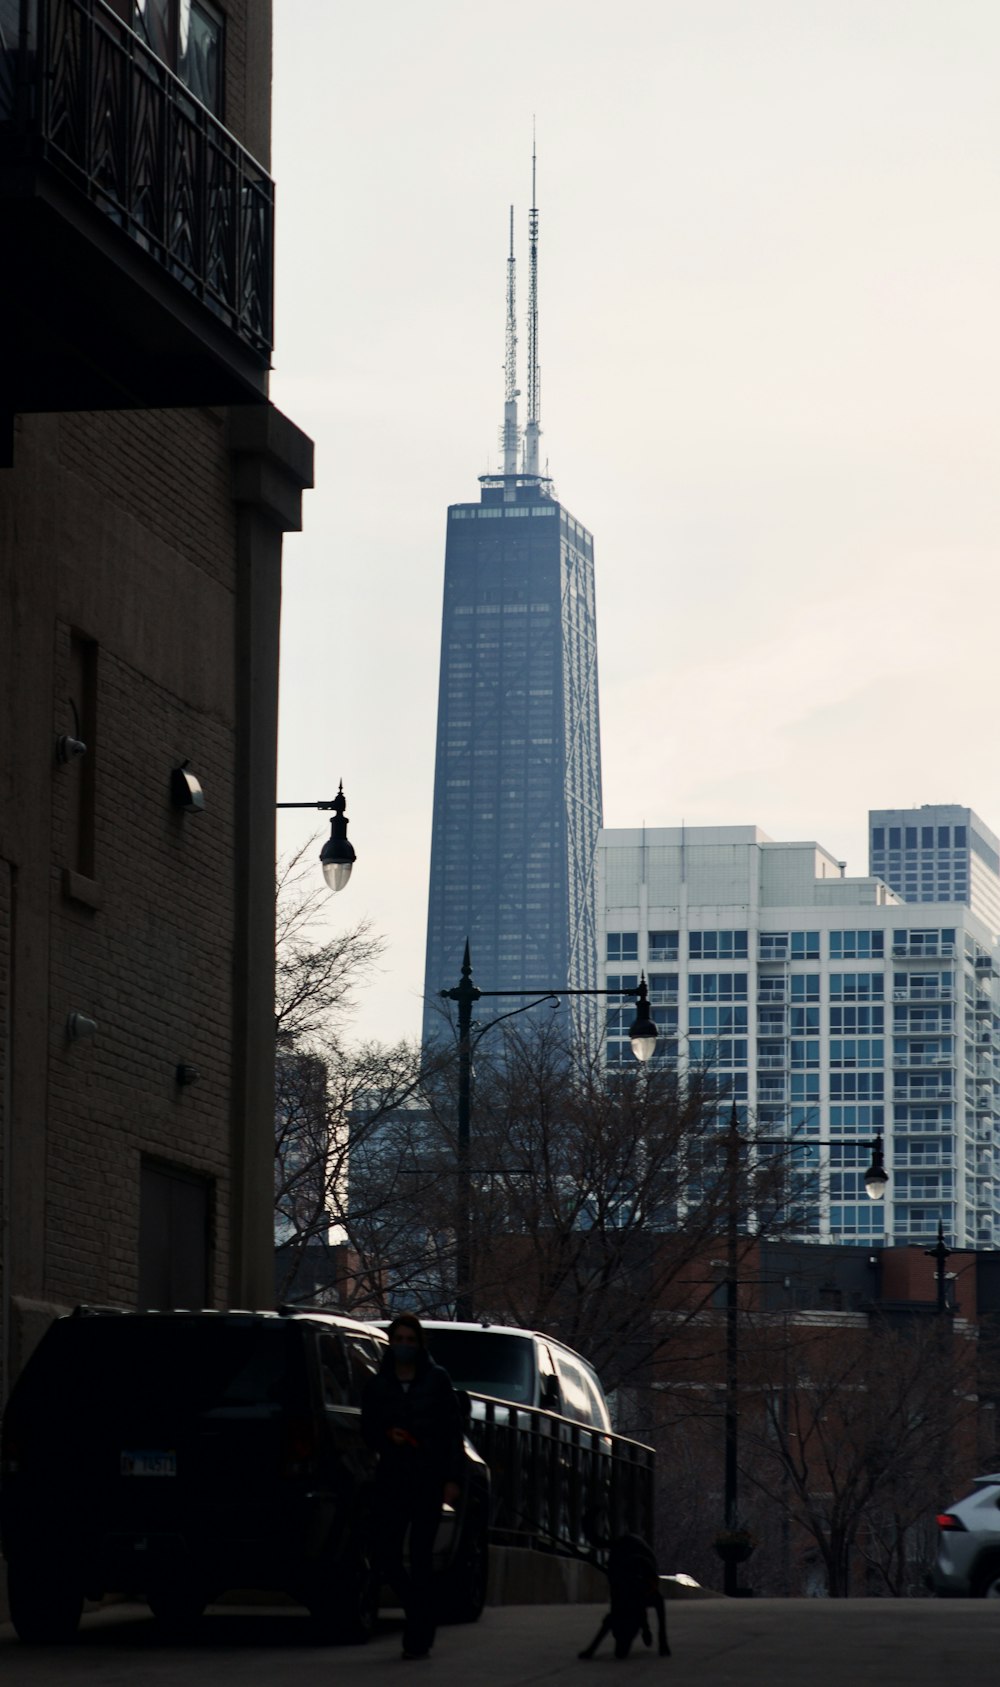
{"x": 924, "y": 950}
{"x": 913, "y": 1058}
{"x": 137, "y": 232}
{"x": 923, "y": 993}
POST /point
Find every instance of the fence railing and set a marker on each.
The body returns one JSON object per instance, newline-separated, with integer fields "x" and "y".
{"x": 80, "y": 91}
{"x": 558, "y": 1485}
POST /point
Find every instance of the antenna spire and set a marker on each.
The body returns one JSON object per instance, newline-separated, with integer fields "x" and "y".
{"x": 532, "y": 429}
{"x": 510, "y": 428}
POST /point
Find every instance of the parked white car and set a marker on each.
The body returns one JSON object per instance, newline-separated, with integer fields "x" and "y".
{"x": 968, "y": 1558}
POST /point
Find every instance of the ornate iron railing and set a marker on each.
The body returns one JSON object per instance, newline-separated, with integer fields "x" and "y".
{"x": 81, "y": 92}
{"x": 558, "y": 1485}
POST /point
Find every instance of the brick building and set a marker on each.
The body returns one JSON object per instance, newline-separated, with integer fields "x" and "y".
{"x": 145, "y": 487}
{"x": 861, "y": 1410}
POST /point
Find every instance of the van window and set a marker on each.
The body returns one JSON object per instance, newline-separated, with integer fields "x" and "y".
{"x": 581, "y": 1395}
{"x": 487, "y": 1362}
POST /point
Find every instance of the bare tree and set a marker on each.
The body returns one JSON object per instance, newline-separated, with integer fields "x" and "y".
{"x": 331, "y": 1096}
{"x": 848, "y": 1425}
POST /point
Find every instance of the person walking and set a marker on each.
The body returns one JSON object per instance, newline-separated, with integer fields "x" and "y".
{"x": 411, "y": 1418}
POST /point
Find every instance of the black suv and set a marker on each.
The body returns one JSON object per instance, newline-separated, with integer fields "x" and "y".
{"x": 182, "y": 1454}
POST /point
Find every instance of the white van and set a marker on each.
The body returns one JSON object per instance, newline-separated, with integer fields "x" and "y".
{"x": 523, "y": 1367}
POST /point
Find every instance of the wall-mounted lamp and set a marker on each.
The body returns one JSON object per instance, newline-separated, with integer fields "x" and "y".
{"x": 80, "y": 1025}
{"x": 70, "y": 745}
{"x": 185, "y": 789}
{"x": 186, "y": 1074}
{"x": 67, "y": 748}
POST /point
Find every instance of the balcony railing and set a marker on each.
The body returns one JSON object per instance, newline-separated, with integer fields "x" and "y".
{"x": 930, "y": 951}
{"x": 83, "y": 96}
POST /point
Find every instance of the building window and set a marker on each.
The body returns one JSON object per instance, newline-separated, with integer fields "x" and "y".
{"x": 717, "y": 1019}
{"x": 663, "y": 946}
{"x": 857, "y": 1118}
{"x": 187, "y": 36}
{"x": 856, "y": 986}
{"x": 81, "y": 771}
{"x": 805, "y": 987}
{"x": 774, "y": 946}
{"x": 717, "y": 945}
{"x": 857, "y": 1051}
{"x": 717, "y": 986}
{"x": 805, "y": 945}
{"x": 623, "y": 946}
{"x": 856, "y": 945}
{"x": 855, "y": 1019}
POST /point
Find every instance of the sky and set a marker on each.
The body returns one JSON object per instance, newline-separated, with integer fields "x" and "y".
{"x": 769, "y": 292}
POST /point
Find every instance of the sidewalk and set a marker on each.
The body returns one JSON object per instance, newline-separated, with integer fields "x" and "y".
{"x": 716, "y": 1643}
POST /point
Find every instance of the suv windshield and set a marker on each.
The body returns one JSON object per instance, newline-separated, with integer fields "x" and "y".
{"x": 110, "y": 1367}
{"x": 486, "y": 1362}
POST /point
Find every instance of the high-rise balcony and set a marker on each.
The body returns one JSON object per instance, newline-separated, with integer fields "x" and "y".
{"x": 137, "y": 232}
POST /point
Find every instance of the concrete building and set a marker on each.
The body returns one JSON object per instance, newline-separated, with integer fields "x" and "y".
{"x": 829, "y": 1008}
{"x": 146, "y": 485}
{"x": 517, "y": 786}
{"x": 937, "y": 853}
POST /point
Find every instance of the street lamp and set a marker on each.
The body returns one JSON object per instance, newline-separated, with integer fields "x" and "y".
{"x": 337, "y": 856}
{"x": 876, "y": 1180}
{"x": 939, "y": 1253}
{"x": 641, "y": 1034}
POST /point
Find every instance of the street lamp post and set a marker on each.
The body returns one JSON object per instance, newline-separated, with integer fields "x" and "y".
{"x": 876, "y": 1179}
{"x": 642, "y": 1036}
{"x": 939, "y": 1253}
{"x": 337, "y": 856}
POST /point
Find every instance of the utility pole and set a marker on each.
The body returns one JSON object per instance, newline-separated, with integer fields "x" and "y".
{"x": 732, "y": 1420}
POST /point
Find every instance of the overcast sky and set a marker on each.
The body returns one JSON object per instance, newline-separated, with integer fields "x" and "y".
{"x": 769, "y": 295}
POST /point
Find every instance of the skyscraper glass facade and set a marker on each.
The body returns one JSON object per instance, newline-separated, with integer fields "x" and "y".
{"x": 517, "y": 789}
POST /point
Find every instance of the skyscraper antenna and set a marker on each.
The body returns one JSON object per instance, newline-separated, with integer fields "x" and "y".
{"x": 533, "y": 426}
{"x": 510, "y": 429}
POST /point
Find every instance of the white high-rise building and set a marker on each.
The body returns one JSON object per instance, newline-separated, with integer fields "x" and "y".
{"x": 830, "y": 1008}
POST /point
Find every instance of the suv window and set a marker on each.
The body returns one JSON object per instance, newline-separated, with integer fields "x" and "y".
{"x": 364, "y": 1355}
{"x": 333, "y": 1370}
{"x": 114, "y": 1366}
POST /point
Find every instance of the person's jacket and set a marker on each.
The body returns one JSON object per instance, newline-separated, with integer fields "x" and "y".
{"x": 427, "y": 1410}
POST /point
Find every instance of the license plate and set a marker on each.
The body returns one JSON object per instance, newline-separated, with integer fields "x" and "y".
{"x": 148, "y": 1463}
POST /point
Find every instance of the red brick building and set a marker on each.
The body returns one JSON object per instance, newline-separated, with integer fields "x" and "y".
{"x": 145, "y": 487}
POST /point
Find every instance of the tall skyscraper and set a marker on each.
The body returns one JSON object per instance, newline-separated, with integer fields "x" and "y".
{"x": 517, "y": 788}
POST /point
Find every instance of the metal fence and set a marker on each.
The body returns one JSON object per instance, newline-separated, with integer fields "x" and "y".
{"x": 557, "y": 1485}
{"x": 82, "y": 92}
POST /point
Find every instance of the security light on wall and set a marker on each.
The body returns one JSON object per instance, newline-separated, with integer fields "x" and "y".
{"x": 69, "y": 745}
{"x": 185, "y": 789}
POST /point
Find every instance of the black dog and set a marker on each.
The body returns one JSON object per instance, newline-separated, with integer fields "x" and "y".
{"x": 634, "y": 1584}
